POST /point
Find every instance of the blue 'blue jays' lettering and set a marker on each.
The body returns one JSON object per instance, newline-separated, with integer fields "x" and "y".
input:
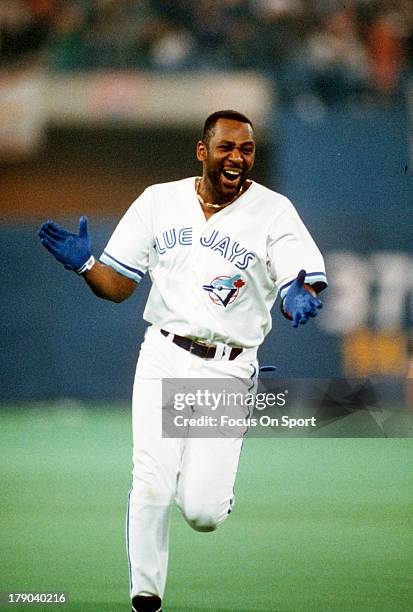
{"x": 229, "y": 249}
{"x": 207, "y": 241}
{"x": 236, "y": 251}
{"x": 185, "y": 236}
{"x": 224, "y": 245}
{"x": 168, "y": 239}
{"x": 243, "y": 264}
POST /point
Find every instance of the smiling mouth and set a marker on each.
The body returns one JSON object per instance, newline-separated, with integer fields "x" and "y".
{"x": 231, "y": 174}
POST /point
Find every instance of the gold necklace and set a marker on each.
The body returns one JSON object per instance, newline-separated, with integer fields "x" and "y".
{"x": 215, "y": 206}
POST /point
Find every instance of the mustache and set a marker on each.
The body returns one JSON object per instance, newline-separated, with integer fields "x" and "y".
{"x": 233, "y": 166}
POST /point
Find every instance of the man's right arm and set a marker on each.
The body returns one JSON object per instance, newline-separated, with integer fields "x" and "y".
{"x": 74, "y": 251}
{"x": 108, "y": 284}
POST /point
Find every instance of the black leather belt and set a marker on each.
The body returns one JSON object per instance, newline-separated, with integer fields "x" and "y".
{"x": 200, "y": 350}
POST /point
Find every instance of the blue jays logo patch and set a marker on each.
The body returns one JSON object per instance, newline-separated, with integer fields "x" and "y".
{"x": 224, "y": 289}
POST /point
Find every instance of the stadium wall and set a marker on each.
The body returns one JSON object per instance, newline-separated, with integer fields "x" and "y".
{"x": 348, "y": 173}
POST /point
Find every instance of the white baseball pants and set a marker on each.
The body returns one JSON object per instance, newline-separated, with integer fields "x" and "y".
{"x": 198, "y": 473}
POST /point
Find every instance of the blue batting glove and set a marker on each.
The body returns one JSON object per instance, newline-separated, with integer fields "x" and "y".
{"x": 299, "y": 304}
{"x": 73, "y": 251}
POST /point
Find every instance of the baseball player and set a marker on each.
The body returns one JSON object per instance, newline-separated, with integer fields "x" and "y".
{"x": 218, "y": 248}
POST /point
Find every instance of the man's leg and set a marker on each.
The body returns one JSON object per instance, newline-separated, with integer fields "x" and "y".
{"x": 209, "y": 465}
{"x": 155, "y": 467}
{"x": 206, "y": 482}
{"x": 156, "y": 463}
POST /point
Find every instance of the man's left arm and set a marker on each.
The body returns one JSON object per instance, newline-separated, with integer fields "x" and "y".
{"x": 291, "y": 248}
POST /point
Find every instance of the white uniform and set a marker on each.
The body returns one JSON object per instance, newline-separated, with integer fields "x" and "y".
{"x": 215, "y": 281}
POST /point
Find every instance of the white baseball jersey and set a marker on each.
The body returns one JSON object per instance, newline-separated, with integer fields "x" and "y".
{"x": 214, "y": 280}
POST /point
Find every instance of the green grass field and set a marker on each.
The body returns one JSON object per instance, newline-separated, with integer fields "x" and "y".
{"x": 319, "y": 524}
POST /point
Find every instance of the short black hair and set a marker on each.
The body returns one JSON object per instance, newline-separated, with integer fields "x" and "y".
{"x": 222, "y": 114}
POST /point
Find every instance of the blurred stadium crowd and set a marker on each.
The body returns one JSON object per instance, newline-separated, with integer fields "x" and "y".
{"x": 330, "y": 50}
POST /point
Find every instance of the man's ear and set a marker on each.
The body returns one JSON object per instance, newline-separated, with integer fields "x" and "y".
{"x": 201, "y": 151}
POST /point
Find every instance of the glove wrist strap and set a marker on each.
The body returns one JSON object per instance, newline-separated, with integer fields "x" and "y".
{"x": 88, "y": 265}
{"x": 310, "y": 289}
{"x": 283, "y": 312}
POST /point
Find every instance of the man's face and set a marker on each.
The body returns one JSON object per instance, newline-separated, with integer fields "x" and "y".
{"x": 227, "y": 158}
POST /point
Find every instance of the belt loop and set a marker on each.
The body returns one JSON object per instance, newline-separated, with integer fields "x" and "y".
{"x": 227, "y": 352}
{"x": 222, "y": 351}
